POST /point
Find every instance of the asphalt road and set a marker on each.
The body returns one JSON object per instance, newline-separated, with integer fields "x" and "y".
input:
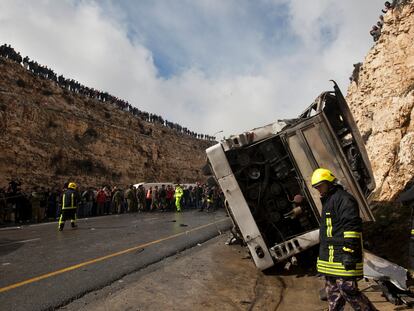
{"x": 41, "y": 268}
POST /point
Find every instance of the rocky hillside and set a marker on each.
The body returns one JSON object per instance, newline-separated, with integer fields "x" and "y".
{"x": 382, "y": 101}
{"x": 50, "y": 135}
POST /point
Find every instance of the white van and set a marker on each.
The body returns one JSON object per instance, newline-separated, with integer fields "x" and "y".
{"x": 148, "y": 185}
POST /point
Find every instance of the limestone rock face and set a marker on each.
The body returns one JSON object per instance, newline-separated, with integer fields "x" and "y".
{"x": 382, "y": 102}
{"x": 49, "y": 136}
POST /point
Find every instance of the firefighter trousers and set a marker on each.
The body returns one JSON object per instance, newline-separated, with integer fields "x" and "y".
{"x": 67, "y": 214}
{"x": 341, "y": 291}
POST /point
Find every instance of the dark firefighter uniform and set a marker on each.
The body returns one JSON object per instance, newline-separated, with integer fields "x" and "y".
{"x": 70, "y": 202}
{"x": 210, "y": 199}
{"x": 340, "y": 252}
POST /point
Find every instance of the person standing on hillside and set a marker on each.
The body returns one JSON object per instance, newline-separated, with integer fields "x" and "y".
{"x": 108, "y": 201}
{"x": 198, "y": 195}
{"x": 186, "y": 197}
{"x": 100, "y": 201}
{"x": 88, "y": 196}
{"x": 170, "y": 198}
{"x": 35, "y": 198}
{"x": 155, "y": 199}
{"x": 148, "y": 199}
{"x": 117, "y": 199}
{"x": 130, "y": 197}
{"x": 70, "y": 201}
{"x": 141, "y": 198}
{"x": 340, "y": 251}
{"x": 163, "y": 198}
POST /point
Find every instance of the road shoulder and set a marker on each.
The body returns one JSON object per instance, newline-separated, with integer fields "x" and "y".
{"x": 212, "y": 276}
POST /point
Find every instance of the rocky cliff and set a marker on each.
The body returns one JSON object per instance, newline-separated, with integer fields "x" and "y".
{"x": 49, "y": 135}
{"x": 382, "y": 101}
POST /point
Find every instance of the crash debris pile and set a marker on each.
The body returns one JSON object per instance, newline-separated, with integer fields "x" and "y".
{"x": 382, "y": 102}
{"x": 50, "y": 135}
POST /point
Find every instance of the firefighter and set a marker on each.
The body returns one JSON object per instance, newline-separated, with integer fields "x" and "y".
{"x": 340, "y": 251}
{"x": 178, "y": 195}
{"x": 69, "y": 205}
{"x": 210, "y": 199}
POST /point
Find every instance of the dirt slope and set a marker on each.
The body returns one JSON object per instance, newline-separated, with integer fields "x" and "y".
{"x": 50, "y": 135}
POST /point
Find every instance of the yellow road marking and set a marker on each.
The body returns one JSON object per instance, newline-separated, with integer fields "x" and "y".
{"x": 92, "y": 261}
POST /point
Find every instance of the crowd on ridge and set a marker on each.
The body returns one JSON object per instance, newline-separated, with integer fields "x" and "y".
{"x": 40, "y": 204}
{"x": 375, "y": 32}
{"x": 71, "y": 85}
{"x": 376, "y": 29}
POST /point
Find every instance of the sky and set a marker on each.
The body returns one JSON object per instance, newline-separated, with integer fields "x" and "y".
{"x": 209, "y": 65}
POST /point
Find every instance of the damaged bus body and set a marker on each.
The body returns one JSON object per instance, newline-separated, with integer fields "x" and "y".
{"x": 265, "y": 177}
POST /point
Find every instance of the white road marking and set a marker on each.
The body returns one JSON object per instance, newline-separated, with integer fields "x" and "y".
{"x": 43, "y": 224}
{"x": 55, "y": 222}
{"x": 10, "y": 228}
{"x": 153, "y": 218}
{"x": 19, "y": 242}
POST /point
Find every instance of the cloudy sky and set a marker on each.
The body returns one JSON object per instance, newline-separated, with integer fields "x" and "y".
{"x": 209, "y": 65}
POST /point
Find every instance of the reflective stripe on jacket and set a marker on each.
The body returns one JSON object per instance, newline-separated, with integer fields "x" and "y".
{"x": 70, "y": 199}
{"x": 340, "y": 235}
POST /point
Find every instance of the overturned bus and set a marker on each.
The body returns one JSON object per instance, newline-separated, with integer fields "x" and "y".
{"x": 265, "y": 177}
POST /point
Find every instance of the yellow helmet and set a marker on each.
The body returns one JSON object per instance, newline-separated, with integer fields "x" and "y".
{"x": 72, "y": 185}
{"x": 320, "y": 175}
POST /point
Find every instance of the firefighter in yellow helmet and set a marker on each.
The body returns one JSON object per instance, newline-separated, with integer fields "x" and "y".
{"x": 340, "y": 250}
{"x": 178, "y": 195}
{"x": 70, "y": 200}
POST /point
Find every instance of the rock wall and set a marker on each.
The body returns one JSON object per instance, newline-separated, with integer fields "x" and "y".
{"x": 49, "y": 135}
{"x": 382, "y": 101}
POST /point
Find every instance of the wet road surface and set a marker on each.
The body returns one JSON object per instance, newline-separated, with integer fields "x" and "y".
{"x": 41, "y": 268}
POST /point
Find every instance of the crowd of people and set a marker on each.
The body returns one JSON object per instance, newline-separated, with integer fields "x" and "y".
{"x": 376, "y": 29}
{"x": 375, "y": 32}
{"x": 71, "y": 85}
{"x": 42, "y": 204}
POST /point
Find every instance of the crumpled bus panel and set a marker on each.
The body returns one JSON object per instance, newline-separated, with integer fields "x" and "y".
{"x": 265, "y": 176}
